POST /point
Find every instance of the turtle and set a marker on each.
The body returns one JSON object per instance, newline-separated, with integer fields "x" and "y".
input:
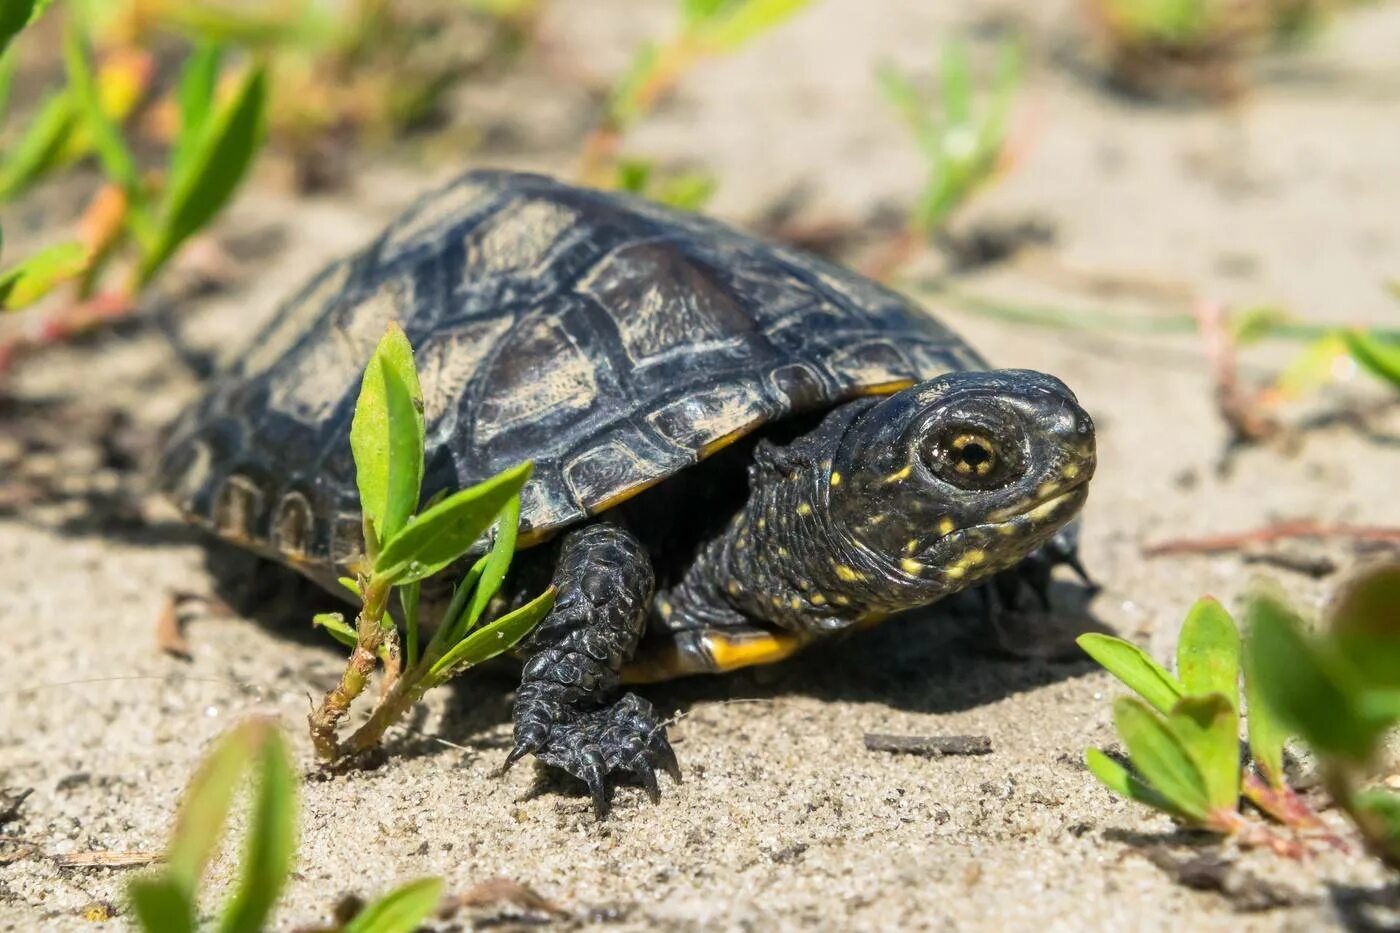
{"x": 739, "y": 448}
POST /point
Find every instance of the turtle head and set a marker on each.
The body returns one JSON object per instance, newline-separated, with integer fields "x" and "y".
{"x": 950, "y": 481}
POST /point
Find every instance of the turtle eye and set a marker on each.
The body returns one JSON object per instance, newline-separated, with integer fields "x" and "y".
{"x": 968, "y": 458}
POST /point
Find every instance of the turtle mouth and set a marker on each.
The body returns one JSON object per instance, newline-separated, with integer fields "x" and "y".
{"x": 1013, "y": 536}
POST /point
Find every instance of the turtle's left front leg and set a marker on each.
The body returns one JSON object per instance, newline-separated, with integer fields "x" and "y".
{"x": 573, "y": 667}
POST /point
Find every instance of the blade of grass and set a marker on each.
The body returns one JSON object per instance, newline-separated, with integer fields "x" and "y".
{"x": 216, "y": 166}
{"x": 1209, "y": 730}
{"x": 1208, "y": 652}
{"x": 163, "y": 904}
{"x": 271, "y": 844}
{"x": 1126, "y": 784}
{"x": 1161, "y": 758}
{"x": 386, "y": 436}
{"x": 493, "y": 572}
{"x": 117, "y": 160}
{"x": 400, "y": 911}
{"x": 442, "y": 534}
{"x": 27, "y": 282}
{"x": 38, "y": 150}
{"x": 198, "y": 81}
{"x": 1306, "y": 688}
{"x": 494, "y": 638}
{"x": 1135, "y": 668}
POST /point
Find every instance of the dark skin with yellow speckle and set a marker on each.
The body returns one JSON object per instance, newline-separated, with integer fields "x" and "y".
{"x": 887, "y": 504}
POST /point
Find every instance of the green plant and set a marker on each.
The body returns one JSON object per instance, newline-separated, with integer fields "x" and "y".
{"x": 964, "y": 145}
{"x": 403, "y": 547}
{"x": 1182, "y": 732}
{"x": 210, "y": 156}
{"x": 167, "y": 900}
{"x": 708, "y": 29}
{"x": 684, "y": 190}
{"x": 1339, "y": 689}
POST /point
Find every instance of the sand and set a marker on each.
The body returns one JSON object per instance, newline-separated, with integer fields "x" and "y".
{"x": 784, "y": 819}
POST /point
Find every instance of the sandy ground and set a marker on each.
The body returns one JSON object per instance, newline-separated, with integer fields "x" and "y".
{"x": 784, "y": 820}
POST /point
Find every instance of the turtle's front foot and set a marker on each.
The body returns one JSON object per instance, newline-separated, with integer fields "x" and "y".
{"x": 593, "y": 745}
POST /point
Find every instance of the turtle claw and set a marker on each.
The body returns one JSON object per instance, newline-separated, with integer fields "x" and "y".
{"x": 596, "y": 744}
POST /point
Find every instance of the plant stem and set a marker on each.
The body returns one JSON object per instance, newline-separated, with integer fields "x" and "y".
{"x": 325, "y": 720}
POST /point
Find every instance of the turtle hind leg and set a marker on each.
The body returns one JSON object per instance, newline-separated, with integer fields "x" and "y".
{"x": 574, "y": 658}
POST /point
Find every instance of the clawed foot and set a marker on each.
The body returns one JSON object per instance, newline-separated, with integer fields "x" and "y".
{"x": 593, "y": 745}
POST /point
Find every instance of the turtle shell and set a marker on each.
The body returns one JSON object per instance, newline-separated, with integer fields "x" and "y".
{"x": 612, "y": 341}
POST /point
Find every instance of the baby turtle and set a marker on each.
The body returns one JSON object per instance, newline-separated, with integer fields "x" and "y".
{"x": 739, "y": 448}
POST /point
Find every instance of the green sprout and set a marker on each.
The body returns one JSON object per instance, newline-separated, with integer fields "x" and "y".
{"x": 708, "y": 29}
{"x": 964, "y": 145}
{"x": 1339, "y": 690}
{"x": 167, "y": 900}
{"x": 208, "y": 159}
{"x": 403, "y": 547}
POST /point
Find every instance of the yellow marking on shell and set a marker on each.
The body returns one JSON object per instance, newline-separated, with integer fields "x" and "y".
{"x": 1070, "y": 471}
{"x": 900, "y": 474}
{"x": 836, "y": 479}
{"x": 818, "y": 599}
{"x": 885, "y": 388}
{"x": 911, "y": 566}
{"x": 875, "y": 520}
{"x": 804, "y": 509}
{"x": 725, "y": 440}
{"x": 617, "y": 499}
{"x": 732, "y": 653}
{"x": 946, "y": 526}
{"x": 848, "y": 574}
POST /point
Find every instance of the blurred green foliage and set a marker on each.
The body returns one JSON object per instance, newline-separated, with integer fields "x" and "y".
{"x": 166, "y": 901}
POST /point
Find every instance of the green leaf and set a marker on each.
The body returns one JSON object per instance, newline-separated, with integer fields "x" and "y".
{"x": 1135, "y": 668}
{"x": 1267, "y": 733}
{"x": 633, "y": 175}
{"x": 162, "y": 904}
{"x": 444, "y": 533}
{"x": 216, "y": 166}
{"x": 335, "y": 625}
{"x": 206, "y": 803}
{"x": 1208, "y": 652}
{"x": 400, "y": 911}
{"x": 1307, "y": 688}
{"x": 117, "y": 160}
{"x": 198, "y": 84}
{"x": 1126, "y": 784}
{"x": 1209, "y": 729}
{"x": 386, "y": 436}
{"x": 1377, "y": 814}
{"x": 1161, "y": 758}
{"x": 1365, "y": 625}
{"x": 493, "y": 571}
{"x": 1252, "y": 324}
{"x": 409, "y": 597}
{"x": 625, "y": 105}
{"x": 26, "y": 283}
{"x": 494, "y": 638}
{"x": 748, "y": 21}
{"x": 41, "y": 147}
{"x": 17, "y": 14}
{"x": 901, "y": 93}
{"x": 271, "y": 844}
{"x": 955, "y": 87}
{"x": 351, "y": 584}
{"x": 8, "y": 63}
{"x": 1381, "y": 358}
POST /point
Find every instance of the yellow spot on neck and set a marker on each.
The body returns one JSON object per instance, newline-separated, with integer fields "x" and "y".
{"x": 818, "y": 599}
{"x": 1070, "y": 471}
{"x": 946, "y": 526}
{"x": 911, "y": 566}
{"x": 804, "y": 509}
{"x": 900, "y": 474}
{"x": 666, "y": 609}
{"x": 782, "y": 552}
{"x": 911, "y": 545}
{"x": 954, "y": 573}
{"x": 795, "y": 603}
{"x": 841, "y": 600}
{"x": 847, "y": 574}
{"x": 733, "y": 588}
{"x": 762, "y": 524}
{"x": 836, "y": 479}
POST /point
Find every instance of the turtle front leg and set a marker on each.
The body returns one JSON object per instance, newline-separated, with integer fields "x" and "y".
{"x": 574, "y": 660}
